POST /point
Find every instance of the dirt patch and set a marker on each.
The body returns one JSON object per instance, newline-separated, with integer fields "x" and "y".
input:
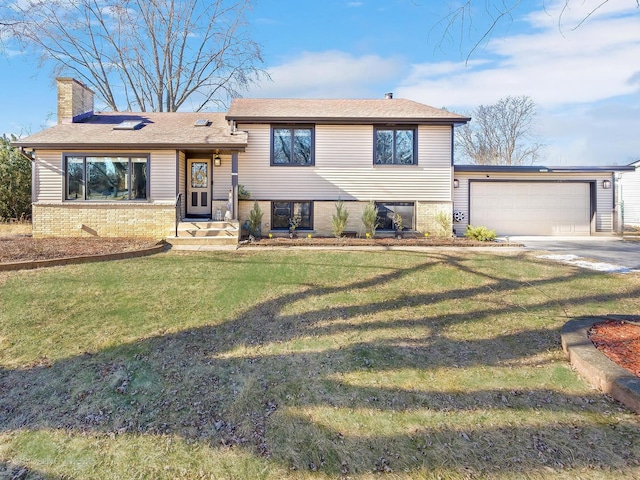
{"x": 620, "y": 342}
{"x": 26, "y": 248}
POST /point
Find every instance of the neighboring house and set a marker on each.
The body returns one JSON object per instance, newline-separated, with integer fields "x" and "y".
{"x": 121, "y": 174}
{"x": 139, "y": 174}
{"x": 629, "y": 191}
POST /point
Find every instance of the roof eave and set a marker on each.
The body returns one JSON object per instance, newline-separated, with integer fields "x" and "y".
{"x": 348, "y": 120}
{"x": 137, "y": 146}
{"x": 540, "y": 169}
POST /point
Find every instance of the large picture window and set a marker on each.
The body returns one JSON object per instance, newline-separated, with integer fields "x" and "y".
{"x": 292, "y": 146}
{"x": 284, "y": 214}
{"x": 395, "y": 146}
{"x": 387, "y": 212}
{"x": 106, "y": 178}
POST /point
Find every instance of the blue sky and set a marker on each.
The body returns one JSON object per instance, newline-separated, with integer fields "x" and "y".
{"x": 585, "y": 80}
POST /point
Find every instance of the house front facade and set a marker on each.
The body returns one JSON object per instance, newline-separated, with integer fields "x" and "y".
{"x": 135, "y": 174}
{"x": 141, "y": 174}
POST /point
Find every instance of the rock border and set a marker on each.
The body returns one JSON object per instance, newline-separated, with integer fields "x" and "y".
{"x": 55, "y": 262}
{"x": 596, "y": 367}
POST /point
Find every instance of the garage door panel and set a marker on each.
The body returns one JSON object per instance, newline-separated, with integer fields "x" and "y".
{"x": 531, "y": 208}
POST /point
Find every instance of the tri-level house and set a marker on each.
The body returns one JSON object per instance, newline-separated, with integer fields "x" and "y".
{"x": 134, "y": 174}
{"x": 168, "y": 175}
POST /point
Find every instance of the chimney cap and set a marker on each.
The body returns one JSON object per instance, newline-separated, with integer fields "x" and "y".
{"x": 388, "y": 95}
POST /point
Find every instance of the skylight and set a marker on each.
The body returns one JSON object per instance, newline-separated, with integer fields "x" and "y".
{"x": 202, "y": 122}
{"x": 128, "y": 125}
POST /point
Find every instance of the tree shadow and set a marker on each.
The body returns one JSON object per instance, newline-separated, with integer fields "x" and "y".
{"x": 235, "y": 385}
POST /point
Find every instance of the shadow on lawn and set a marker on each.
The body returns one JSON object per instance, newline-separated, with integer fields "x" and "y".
{"x": 218, "y": 386}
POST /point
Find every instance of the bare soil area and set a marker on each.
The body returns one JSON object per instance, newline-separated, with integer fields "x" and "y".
{"x": 20, "y": 248}
{"x": 620, "y": 342}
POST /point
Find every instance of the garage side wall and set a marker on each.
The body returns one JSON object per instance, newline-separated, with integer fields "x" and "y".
{"x": 602, "y": 205}
{"x": 630, "y": 195}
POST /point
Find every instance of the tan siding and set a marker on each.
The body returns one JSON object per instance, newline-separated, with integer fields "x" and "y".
{"x": 162, "y": 170}
{"x": 603, "y": 204}
{"x": 222, "y": 179}
{"x": 344, "y": 168}
{"x": 49, "y": 176}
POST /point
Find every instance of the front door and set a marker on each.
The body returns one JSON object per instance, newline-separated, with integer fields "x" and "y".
{"x": 199, "y": 187}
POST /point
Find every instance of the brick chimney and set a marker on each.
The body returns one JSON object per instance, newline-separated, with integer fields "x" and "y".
{"x": 75, "y": 100}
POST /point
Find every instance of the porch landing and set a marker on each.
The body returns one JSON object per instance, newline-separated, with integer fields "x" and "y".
{"x": 196, "y": 233}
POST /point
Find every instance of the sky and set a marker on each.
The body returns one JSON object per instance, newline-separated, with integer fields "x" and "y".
{"x": 583, "y": 75}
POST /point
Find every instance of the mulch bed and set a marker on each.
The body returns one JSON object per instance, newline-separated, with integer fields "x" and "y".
{"x": 302, "y": 241}
{"x": 26, "y": 248}
{"x": 620, "y": 342}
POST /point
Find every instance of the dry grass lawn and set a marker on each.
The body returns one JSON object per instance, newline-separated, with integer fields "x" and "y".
{"x": 288, "y": 364}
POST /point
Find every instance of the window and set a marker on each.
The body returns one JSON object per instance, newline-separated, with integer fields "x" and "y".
{"x": 283, "y": 214}
{"x": 292, "y": 146}
{"x": 395, "y": 146}
{"x": 387, "y": 212}
{"x": 106, "y": 178}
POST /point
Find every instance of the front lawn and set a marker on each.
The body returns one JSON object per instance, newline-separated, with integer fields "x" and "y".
{"x": 299, "y": 364}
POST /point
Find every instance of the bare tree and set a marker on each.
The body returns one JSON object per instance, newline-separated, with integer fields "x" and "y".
{"x": 150, "y": 55}
{"x": 460, "y": 19}
{"x": 500, "y": 134}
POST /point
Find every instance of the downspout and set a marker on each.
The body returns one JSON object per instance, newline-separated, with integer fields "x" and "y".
{"x": 234, "y": 185}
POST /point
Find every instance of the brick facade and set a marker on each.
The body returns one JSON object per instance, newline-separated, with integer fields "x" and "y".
{"x": 323, "y": 212}
{"x": 75, "y": 100}
{"x": 103, "y": 220}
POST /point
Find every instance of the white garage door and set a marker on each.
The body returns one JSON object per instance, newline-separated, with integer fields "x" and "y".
{"x": 531, "y": 208}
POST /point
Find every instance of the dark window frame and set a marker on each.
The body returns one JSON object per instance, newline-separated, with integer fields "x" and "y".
{"x": 66, "y": 156}
{"x": 291, "y": 210}
{"x": 386, "y": 223}
{"x": 292, "y": 129}
{"x": 395, "y": 129}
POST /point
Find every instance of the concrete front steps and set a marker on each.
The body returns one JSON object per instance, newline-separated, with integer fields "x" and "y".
{"x": 196, "y": 233}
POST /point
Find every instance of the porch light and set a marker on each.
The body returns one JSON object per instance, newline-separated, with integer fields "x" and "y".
{"x": 606, "y": 184}
{"x": 456, "y": 183}
{"x": 217, "y": 160}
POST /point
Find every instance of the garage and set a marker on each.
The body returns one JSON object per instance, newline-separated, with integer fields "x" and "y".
{"x": 531, "y": 207}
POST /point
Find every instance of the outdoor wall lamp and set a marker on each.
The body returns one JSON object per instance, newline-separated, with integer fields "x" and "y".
{"x": 217, "y": 160}
{"x": 606, "y": 184}
{"x": 456, "y": 183}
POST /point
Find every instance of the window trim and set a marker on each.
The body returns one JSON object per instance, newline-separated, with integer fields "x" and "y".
{"x": 84, "y": 155}
{"x": 292, "y": 128}
{"x": 406, "y": 226}
{"x": 395, "y": 129}
{"x": 291, "y": 209}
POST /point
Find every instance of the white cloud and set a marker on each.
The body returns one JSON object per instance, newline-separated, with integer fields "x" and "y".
{"x": 331, "y": 74}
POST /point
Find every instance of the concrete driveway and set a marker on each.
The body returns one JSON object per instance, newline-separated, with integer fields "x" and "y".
{"x": 613, "y": 251}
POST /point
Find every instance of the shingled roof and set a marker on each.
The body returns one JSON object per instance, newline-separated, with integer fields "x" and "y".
{"x": 156, "y": 130}
{"x": 255, "y": 110}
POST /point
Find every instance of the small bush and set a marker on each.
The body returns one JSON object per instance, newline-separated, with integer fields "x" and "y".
{"x": 255, "y": 221}
{"x": 370, "y": 219}
{"x": 339, "y": 219}
{"x": 482, "y": 234}
{"x": 444, "y": 222}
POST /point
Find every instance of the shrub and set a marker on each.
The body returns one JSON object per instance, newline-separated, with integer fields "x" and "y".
{"x": 443, "y": 220}
{"x": 370, "y": 219}
{"x": 482, "y": 234}
{"x": 15, "y": 181}
{"x": 339, "y": 219}
{"x": 243, "y": 193}
{"x": 255, "y": 221}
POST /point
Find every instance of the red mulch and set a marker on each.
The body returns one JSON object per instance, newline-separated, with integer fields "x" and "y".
{"x": 620, "y": 342}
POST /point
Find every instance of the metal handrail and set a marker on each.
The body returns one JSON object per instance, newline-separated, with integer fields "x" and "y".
{"x": 178, "y": 211}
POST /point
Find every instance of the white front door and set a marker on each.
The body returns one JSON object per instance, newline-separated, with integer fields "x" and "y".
{"x": 199, "y": 187}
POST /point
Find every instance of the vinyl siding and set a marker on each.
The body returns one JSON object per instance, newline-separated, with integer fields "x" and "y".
{"x": 630, "y": 194}
{"x": 344, "y": 168}
{"x": 603, "y": 204}
{"x": 49, "y": 175}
